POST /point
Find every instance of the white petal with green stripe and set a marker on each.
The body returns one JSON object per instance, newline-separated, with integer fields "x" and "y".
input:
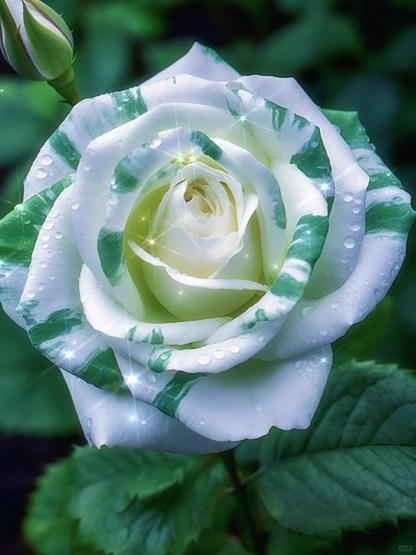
{"x": 89, "y": 119}
{"x": 349, "y": 179}
{"x": 243, "y": 403}
{"x": 51, "y": 306}
{"x": 119, "y": 420}
{"x": 18, "y": 235}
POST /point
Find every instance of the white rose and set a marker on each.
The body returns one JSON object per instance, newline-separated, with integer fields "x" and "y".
{"x": 188, "y": 250}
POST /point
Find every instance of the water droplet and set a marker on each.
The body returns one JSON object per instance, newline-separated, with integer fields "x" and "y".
{"x": 41, "y": 173}
{"x": 377, "y": 293}
{"x": 47, "y": 159}
{"x": 26, "y": 222}
{"x": 335, "y": 304}
{"x": 357, "y": 295}
{"x": 32, "y": 275}
{"x": 45, "y": 245}
{"x": 43, "y": 264}
{"x": 356, "y": 209}
{"x": 45, "y": 237}
{"x": 41, "y": 287}
{"x": 219, "y": 355}
{"x": 112, "y": 199}
{"x": 202, "y": 422}
{"x": 385, "y": 282}
{"x": 87, "y": 167}
{"x": 234, "y": 349}
{"x": 260, "y": 338}
{"x": 310, "y": 375}
{"x": 315, "y": 387}
{"x": 324, "y": 331}
{"x": 52, "y": 277}
{"x": 113, "y": 180}
{"x": 348, "y": 196}
{"x": 344, "y": 260}
{"x": 89, "y": 423}
{"x": 398, "y": 200}
{"x": 314, "y": 339}
{"x": 49, "y": 254}
{"x": 298, "y": 364}
{"x": 155, "y": 142}
{"x": 48, "y": 225}
{"x": 75, "y": 205}
{"x": 203, "y": 359}
{"x": 349, "y": 242}
{"x": 314, "y": 143}
{"x": 58, "y": 235}
{"x": 308, "y": 310}
{"x": 30, "y": 294}
{"x": 151, "y": 378}
{"x": 354, "y": 227}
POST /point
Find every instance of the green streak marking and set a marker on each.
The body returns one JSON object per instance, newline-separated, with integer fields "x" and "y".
{"x": 307, "y": 243}
{"x": 130, "y": 105}
{"x": 25, "y": 310}
{"x": 312, "y": 159}
{"x": 383, "y": 179}
{"x": 279, "y": 115}
{"x": 393, "y": 216}
{"x": 59, "y": 323}
{"x": 350, "y": 127}
{"x": 17, "y": 239}
{"x": 169, "y": 399}
{"x": 110, "y": 251}
{"x": 125, "y": 181}
{"x": 101, "y": 370}
{"x": 208, "y": 147}
{"x": 158, "y": 360}
{"x": 64, "y": 147}
{"x": 155, "y": 337}
{"x": 259, "y": 316}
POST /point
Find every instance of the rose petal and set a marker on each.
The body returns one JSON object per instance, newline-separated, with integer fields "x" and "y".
{"x": 243, "y": 403}
{"x": 51, "y": 306}
{"x": 121, "y": 421}
{"x": 200, "y": 61}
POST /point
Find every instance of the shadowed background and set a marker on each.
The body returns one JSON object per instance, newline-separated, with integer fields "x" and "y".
{"x": 347, "y": 56}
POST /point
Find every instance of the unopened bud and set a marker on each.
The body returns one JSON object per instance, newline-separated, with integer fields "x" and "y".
{"x": 34, "y": 39}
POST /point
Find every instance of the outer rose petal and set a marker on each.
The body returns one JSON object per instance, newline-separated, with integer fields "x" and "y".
{"x": 120, "y": 420}
{"x": 243, "y": 403}
{"x": 200, "y": 61}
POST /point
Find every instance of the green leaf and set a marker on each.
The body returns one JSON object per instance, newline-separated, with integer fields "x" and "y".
{"x": 33, "y": 396}
{"x": 29, "y": 113}
{"x": 123, "y": 503}
{"x": 355, "y": 467}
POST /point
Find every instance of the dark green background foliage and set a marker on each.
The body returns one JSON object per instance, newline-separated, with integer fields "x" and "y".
{"x": 348, "y": 55}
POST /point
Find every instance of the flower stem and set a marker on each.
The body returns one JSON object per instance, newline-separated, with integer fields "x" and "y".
{"x": 65, "y": 85}
{"x": 257, "y": 544}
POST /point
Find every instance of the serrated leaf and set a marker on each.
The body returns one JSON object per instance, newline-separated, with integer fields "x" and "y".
{"x": 123, "y": 503}
{"x": 33, "y": 396}
{"x": 355, "y": 467}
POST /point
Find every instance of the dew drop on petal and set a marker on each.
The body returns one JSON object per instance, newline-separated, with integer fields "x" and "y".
{"x": 219, "y": 355}
{"x": 298, "y": 364}
{"x": 349, "y": 242}
{"x": 310, "y": 375}
{"x": 234, "y": 349}
{"x": 41, "y": 173}
{"x": 202, "y": 422}
{"x": 87, "y": 167}
{"x": 356, "y": 210}
{"x": 260, "y": 338}
{"x": 30, "y": 294}
{"x": 75, "y": 205}
{"x": 335, "y": 304}
{"x": 155, "y": 142}
{"x": 315, "y": 387}
{"x": 58, "y": 235}
{"x": 151, "y": 378}
{"x": 203, "y": 359}
{"x": 48, "y": 225}
{"x": 348, "y": 196}
{"x": 47, "y": 160}
{"x": 354, "y": 227}
{"x": 308, "y": 310}
{"x": 52, "y": 277}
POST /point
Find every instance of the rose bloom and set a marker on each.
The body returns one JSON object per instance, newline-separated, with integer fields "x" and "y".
{"x": 188, "y": 250}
